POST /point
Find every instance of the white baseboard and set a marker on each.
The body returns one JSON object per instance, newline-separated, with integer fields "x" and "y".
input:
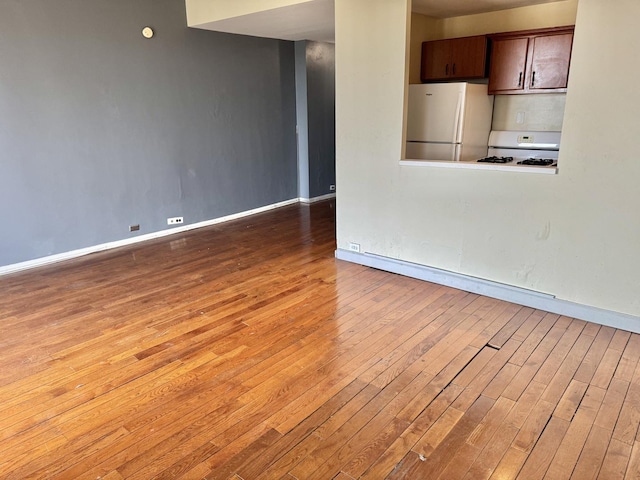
{"x": 317, "y": 199}
{"x": 38, "y": 262}
{"x": 521, "y": 296}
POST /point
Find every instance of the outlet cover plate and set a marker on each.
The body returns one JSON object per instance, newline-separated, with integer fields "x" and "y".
{"x": 175, "y": 220}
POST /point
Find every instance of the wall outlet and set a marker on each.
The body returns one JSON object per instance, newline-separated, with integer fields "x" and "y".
{"x": 354, "y": 247}
{"x": 332, "y": 188}
{"x": 134, "y": 228}
{"x": 175, "y": 220}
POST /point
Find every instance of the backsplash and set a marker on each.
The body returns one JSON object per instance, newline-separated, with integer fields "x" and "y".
{"x": 536, "y": 112}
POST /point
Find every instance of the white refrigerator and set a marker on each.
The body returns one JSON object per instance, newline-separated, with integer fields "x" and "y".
{"x": 448, "y": 121}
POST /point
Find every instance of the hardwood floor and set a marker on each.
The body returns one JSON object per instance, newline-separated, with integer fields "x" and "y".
{"x": 246, "y": 351}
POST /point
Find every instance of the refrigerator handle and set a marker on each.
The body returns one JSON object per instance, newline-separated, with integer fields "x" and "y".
{"x": 457, "y": 128}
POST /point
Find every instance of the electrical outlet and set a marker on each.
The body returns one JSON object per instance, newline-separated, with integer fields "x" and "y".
{"x": 134, "y": 228}
{"x": 354, "y": 247}
{"x": 332, "y": 188}
{"x": 175, "y": 220}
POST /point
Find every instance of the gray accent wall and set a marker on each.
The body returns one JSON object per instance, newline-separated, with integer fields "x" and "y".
{"x": 321, "y": 106}
{"x": 302, "y": 115}
{"x": 101, "y": 128}
{"x": 315, "y": 94}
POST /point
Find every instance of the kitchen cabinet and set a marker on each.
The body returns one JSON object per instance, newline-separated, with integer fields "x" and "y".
{"x": 454, "y": 59}
{"x": 533, "y": 61}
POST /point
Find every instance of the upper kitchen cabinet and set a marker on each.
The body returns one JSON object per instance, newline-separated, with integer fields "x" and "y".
{"x": 454, "y": 59}
{"x": 533, "y": 61}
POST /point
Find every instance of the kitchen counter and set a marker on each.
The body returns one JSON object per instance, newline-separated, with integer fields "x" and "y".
{"x": 503, "y": 167}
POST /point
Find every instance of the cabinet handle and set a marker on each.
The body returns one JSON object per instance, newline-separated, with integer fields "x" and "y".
{"x": 446, "y": 69}
{"x": 520, "y": 79}
{"x": 533, "y": 79}
{"x": 454, "y": 69}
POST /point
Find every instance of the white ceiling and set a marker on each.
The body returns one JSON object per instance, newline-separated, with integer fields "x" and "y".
{"x": 455, "y": 8}
{"x": 314, "y": 19}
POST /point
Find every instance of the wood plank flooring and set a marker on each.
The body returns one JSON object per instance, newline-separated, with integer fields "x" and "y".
{"x": 246, "y": 351}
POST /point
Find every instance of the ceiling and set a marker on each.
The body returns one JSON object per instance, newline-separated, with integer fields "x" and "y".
{"x": 314, "y": 19}
{"x": 455, "y": 8}
{"x": 311, "y": 20}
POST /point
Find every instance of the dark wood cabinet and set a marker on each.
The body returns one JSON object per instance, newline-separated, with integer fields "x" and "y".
{"x": 436, "y": 58}
{"x": 550, "y": 61}
{"x": 508, "y": 62}
{"x": 533, "y": 61}
{"x": 454, "y": 59}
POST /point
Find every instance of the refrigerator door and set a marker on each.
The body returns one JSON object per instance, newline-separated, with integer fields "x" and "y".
{"x": 471, "y": 153}
{"x": 449, "y": 152}
{"x": 478, "y": 113}
{"x": 435, "y": 112}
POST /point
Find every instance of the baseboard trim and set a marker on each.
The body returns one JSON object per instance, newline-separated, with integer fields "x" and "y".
{"x": 521, "y": 296}
{"x": 317, "y": 199}
{"x": 39, "y": 262}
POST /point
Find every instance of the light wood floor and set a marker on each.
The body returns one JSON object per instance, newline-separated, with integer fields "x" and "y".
{"x": 246, "y": 351}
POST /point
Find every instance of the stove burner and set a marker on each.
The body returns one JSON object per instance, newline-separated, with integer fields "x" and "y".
{"x": 495, "y": 159}
{"x": 545, "y": 162}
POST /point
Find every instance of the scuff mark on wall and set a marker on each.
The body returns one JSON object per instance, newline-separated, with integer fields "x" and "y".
{"x": 545, "y": 233}
{"x": 525, "y": 271}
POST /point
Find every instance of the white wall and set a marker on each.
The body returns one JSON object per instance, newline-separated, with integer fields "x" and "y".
{"x": 370, "y": 97}
{"x": 598, "y": 249}
{"x": 574, "y": 234}
{"x": 554, "y": 14}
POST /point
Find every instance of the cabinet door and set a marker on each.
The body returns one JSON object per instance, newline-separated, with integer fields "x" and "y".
{"x": 436, "y": 56}
{"x": 550, "y": 61}
{"x": 508, "y": 62}
{"x": 469, "y": 57}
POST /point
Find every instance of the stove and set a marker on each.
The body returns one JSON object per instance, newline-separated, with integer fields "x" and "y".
{"x": 495, "y": 159}
{"x": 543, "y": 162}
{"x": 539, "y": 149}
